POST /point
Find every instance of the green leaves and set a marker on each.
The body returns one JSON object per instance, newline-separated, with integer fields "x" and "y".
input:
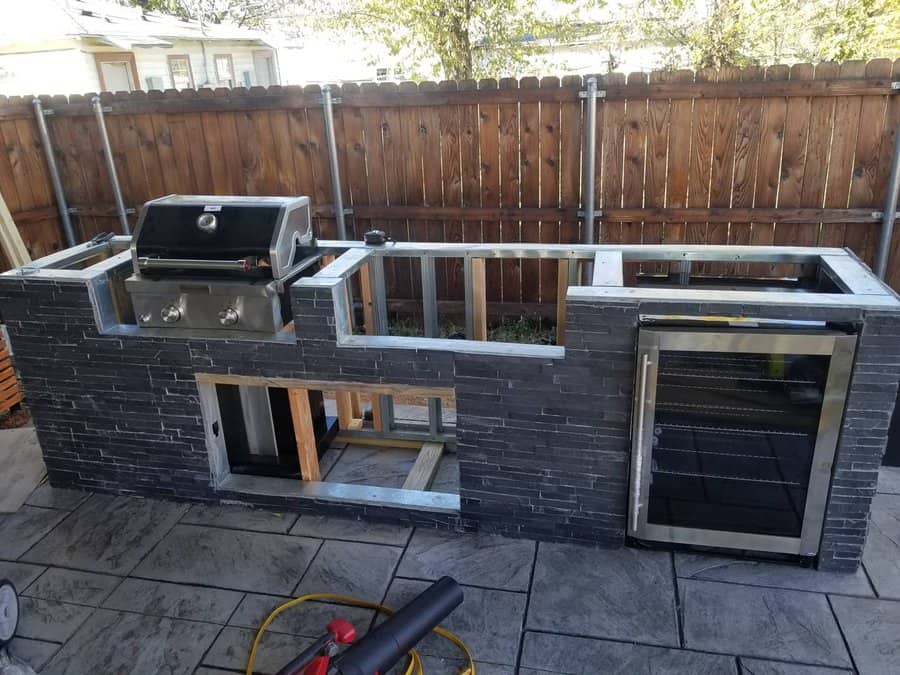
{"x": 459, "y": 39}
{"x": 716, "y": 33}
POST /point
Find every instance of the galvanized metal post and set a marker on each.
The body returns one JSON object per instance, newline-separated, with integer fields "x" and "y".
{"x": 338, "y": 199}
{"x": 61, "y": 203}
{"x": 110, "y": 164}
{"x": 469, "y": 298}
{"x": 432, "y": 329}
{"x": 890, "y": 211}
{"x": 380, "y": 319}
{"x": 588, "y": 171}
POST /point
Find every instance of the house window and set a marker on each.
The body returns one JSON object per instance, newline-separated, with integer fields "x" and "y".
{"x": 265, "y": 69}
{"x": 180, "y": 72}
{"x": 117, "y": 71}
{"x": 381, "y": 74}
{"x": 224, "y": 69}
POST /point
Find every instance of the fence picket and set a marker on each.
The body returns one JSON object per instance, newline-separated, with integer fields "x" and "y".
{"x": 806, "y": 151}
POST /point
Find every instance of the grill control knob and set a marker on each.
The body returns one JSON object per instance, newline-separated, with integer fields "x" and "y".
{"x": 207, "y": 223}
{"x": 228, "y": 316}
{"x": 170, "y": 314}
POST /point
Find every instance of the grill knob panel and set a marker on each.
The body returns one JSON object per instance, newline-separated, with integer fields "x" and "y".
{"x": 229, "y": 316}
{"x": 170, "y": 314}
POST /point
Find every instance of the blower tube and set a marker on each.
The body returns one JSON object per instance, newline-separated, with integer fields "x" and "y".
{"x": 386, "y": 644}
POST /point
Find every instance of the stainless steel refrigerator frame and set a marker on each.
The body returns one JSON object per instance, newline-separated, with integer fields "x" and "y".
{"x": 839, "y": 346}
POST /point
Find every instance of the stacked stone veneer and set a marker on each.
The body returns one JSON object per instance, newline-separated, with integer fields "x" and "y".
{"x": 543, "y": 443}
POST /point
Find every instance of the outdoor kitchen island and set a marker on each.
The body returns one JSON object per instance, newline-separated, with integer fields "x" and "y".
{"x": 682, "y": 408}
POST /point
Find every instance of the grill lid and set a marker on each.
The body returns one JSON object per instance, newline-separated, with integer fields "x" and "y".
{"x": 244, "y": 236}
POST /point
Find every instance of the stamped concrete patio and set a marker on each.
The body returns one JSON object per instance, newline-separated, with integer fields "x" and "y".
{"x": 128, "y": 585}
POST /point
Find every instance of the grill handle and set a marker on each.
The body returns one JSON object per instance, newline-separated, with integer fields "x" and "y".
{"x": 639, "y": 449}
{"x": 244, "y": 264}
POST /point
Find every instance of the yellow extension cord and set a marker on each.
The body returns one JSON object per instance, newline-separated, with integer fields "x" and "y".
{"x": 415, "y": 663}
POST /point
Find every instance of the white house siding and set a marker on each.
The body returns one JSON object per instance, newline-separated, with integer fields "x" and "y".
{"x": 73, "y": 70}
{"x": 152, "y": 62}
{"x": 57, "y": 71}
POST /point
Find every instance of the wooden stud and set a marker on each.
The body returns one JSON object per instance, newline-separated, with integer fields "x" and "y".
{"x": 378, "y": 442}
{"x": 305, "y": 435}
{"x": 365, "y": 292}
{"x": 325, "y": 385}
{"x": 425, "y": 467}
{"x": 10, "y": 239}
{"x": 344, "y": 409}
{"x": 479, "y": 300}
{"x": 355, "y": 409}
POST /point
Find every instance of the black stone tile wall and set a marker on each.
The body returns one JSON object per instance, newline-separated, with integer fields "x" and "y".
{"x": 544, "y": 444}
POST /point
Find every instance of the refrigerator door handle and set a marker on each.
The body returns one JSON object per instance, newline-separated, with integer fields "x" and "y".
{"x": 638, "y": 451}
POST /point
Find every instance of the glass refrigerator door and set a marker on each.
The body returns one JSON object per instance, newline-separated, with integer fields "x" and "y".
{"x": 736, "y": 434}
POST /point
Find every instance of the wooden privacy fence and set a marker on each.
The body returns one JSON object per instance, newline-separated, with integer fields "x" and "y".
{"x": 783, "y": 155}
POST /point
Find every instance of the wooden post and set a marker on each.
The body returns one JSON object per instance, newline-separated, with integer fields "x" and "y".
{"x": 479, "y": 300}
{"x": 10, "y": 394}
{"x": 365, "y": 291}
{"x": 562, "y": 285}
{"x": 344, "y": 409}
{"x": 304, "y": 434}
{"x": 10, "y": 239}
{"x": 425, "y": 467}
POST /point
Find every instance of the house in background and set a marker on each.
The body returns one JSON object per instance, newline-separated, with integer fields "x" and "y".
{"x": 78, "y": 46}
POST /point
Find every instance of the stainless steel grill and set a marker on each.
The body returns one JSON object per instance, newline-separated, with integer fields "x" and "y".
{"x": 221, "y": 263}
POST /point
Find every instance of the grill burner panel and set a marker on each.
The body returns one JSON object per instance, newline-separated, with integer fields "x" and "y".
{"x": 222, "y": 263}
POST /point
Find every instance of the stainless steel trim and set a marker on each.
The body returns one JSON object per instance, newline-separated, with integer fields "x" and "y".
{"x": 681, "y": 294}
{"x": 194, "y": 264}
{"x": 343, "y": 493}
{"x": 429, "y": 298}
{"x": 608, "y": 269}
{"x": 839, "y": 346}
{"x": 630, "y": 252}
{"x": 227, "y": 287}
{"x": 449, "y": 345}
{"x": 379, "y": 296}
{"x": 574, "y": 276}
{"x": 639, "y": 444}
{"x": 287, "y": 237}
{"x": 402, "y": 432}
{"x": 435, "y": 421}
{"x": 469, "y": 298}
{"x": 432, "y": 330}
{"x": 386, "y": 403}
{"x": 851, "y": 276}
{"x": 110, "y": 164}
{"x": 588, "y": 188}
{"x": 61, "y": 205}
{"x": 835, "y": 398}
{"x": 684, "y": 272}
{"x": 346, "y": 263}
{"x": 744, "y": 340}
{"x": 341, "y": 308}
{"x": 720, "y": 539}
{"x": 257, "y": 414}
